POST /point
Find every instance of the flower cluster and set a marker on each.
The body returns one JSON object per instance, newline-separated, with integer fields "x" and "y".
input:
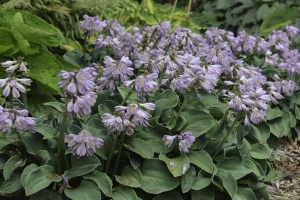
{"x": 78, "y": 88}
{"x": 83, "y": 144}
{"x": 184, "y": 61}
{"x": 128, "y": 118}
{"x": 18, "y": 119}
{"x": 185, "y": 140}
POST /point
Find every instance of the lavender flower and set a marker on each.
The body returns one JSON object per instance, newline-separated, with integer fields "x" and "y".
{"x": 18, "y": 119}
{"x": 292, "y": 31}
{"x": 83, "y": 144}
{"x": 91, "y": 24}
{"x": 14, "y": 86}
{"x": 185, "y": 140}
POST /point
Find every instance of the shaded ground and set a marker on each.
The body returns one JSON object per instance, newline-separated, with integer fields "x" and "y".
{"x": 287, "y": 164}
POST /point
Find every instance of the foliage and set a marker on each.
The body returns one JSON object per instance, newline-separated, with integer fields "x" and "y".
{"x": 152, "y": 114}
{"x": 66, "y": 14}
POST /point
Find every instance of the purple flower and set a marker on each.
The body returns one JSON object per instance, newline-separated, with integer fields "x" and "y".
{"x": 81, "y": 104}
{"x": 292, "y": 31}
{"x": 169, "y": 139}
{"x": 14, "y": 86}
{"x": 91, "y": 24}
{"x": 83, "y": 144}
{"x": 185, "y": 141}
{"x": 76, "y": 83}
{"x": 18, "y": 119}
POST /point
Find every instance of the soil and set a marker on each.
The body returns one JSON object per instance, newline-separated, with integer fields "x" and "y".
{"x": 286, "y": 159}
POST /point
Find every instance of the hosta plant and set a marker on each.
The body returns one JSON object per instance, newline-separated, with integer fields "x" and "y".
{"x": 152, "y": 114}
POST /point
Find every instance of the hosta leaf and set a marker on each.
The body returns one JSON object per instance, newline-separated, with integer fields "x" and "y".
{"x": 102, "y": 180}
{"x": 40, "y": 178}
{"x": 140, "y": 147}
{"x": 244, "y": 194}
{"x": 201, "y": 159}
{"x": 228, "y": 181}
{"x": 201, "y": 182}
{"x": 86, "y": 190}
{"x": 82, "y": 166}
{"x": 130, "y": 177}
{"x": 156, "y": 178}
{"x": 198, "y": 122}
{"x": 11, "y": 185}
{"x": 179, "y": 165}
{"x": 235, "y": 166}
{"x": 121, "y": 193}
{"x": 46, "y": 194}
{"x": 12, "y": 164}
{"x": 187, "y": 179}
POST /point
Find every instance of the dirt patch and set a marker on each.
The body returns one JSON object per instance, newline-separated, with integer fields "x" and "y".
{"x": 286, "y": 159}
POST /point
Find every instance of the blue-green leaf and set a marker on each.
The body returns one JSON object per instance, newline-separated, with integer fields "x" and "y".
{"x": 86, "y": 190}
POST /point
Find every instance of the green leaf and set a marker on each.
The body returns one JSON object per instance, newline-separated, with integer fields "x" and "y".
{"x": 57, "y": 105}
{"x": 102, "y": 180}
{"x": 273, "y": 113}
{"x": 12, "y": 164}
{"x": 201, "y": 182}
{"x": 140, "y": 147}
{"x": 261, "y": 132}
{"x": 168, "y": 195}
{"x": 3, "y": 142}
{"x": 279, "y": 127}
{"x": 156, "y": 178}
{"x": 245, "y": 148}
{"x": 130, "y": 177}
{"x": 260, "y": 151}
{"x": 228, "y": 181}
{"x": 8, "y": 44}
{"x": 36, "y": 30}
{"x": 44, "y": 64}
{"x": 277, "y": 20}
{"x": 235, "y": 166}
{"x": 26, "y": 172}
{"x": 154, "y": 138}
{"x": 44, "y": 156}
{"x": 121, "y": 193}
{"x": 82, "y": 166}
{"x": 46, "y": 130}
{"x": 254, "y": 167}
{"x": 208, "y": 194}
{"x": 244, "y": 194}
{"x": 167, "y": 99}
{"x": 198, "y": 122}
{"x": 11, "y": 185}
{"x": 32, "y": 141}
{"x": 201, "y": 159}
{"x": 187, "y": 179}
{"x": 40, "y": 178}
{"x": 180, "y": 164}
{"x": 46, "y": 195}
{"x": 86, "y": 190}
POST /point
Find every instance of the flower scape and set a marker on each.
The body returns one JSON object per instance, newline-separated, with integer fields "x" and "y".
{"x": 154, "y": 113}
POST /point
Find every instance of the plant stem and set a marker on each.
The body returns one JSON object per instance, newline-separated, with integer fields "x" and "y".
{"x": 236, "y": 120}
{"x": 217, "y": 128}
{"x": 119, "y": 152}
{"x": 175, "y": 4}
{"x": 112, "y": 148}
{"x": 189, "y": 8}
{"x": 126, "y": 98}
{"x": 61, "y": 148}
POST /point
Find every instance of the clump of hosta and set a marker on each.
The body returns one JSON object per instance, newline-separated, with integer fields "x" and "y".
{"x": 159, "y": 114}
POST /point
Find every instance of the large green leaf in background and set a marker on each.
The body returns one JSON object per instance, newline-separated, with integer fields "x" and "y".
{"x": 31, "y": 27}
{"x": 181, "y": 164}
{"x": 8, "y": 44}
{"x": 278, "y": 20}
{"x": 102, "y": 180}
